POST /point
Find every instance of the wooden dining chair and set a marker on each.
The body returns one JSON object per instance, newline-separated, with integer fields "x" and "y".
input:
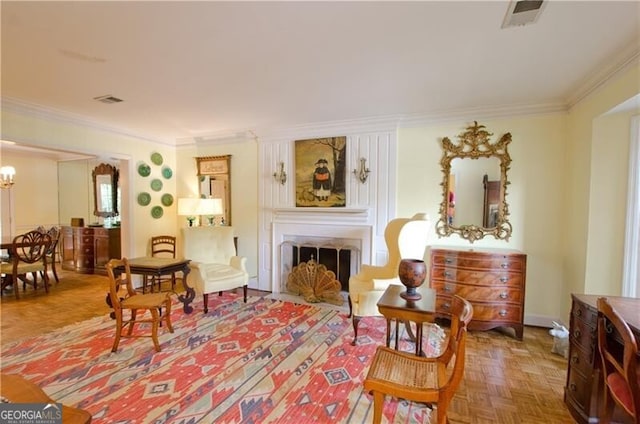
{"x": 165, "y": 247}
{"x": 54, "y": 233}
{"x": 129, "y": 299}
{"x": 419, "y": 379}
{"x": 28, "y": 256}
{"x": 619, "y": 355}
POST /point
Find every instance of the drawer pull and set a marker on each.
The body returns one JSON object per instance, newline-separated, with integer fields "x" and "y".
{"x": 579, "y": 312}
{"x": 447, "y": 288}
{"x": 446, "y": 305}
{"x": 504, "y": 295}
{"x": 504, "y": 279}
{"x": 448, "y": 261}
{"x": 447, "y": 274}
{"x": 503, "y": 313}
{"x": 575, "y": 359}
{"x": 504, "y": 265}
{"x": 577, "y": 333}
{"x": 573, "y": 387}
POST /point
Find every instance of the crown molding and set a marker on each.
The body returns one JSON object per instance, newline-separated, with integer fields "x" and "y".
{"x": 611, "y": 69}
{"x": 47, "y": 113}
{"x": 482, "y": 113}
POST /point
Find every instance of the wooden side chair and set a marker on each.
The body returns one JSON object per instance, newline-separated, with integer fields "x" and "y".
{"x": 428, "y": 380}
{"x": 28, "y": 256}
{"x": 135, "y": 302}
{"x": 54, "y": 233}
{"x": 165, "y": 247}
{"x": 619, "y": 363}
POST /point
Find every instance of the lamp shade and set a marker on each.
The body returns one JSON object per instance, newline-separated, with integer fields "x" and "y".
{"x": 188, "y": 206}
{"x": 210, "y": 207}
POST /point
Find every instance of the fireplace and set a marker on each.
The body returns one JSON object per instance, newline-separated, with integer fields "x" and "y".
{"x": 336, "y": 258}
{"x": 328, "y": 242}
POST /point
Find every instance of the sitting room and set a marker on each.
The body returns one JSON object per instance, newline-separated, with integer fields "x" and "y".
{"x": 348, "y": 188}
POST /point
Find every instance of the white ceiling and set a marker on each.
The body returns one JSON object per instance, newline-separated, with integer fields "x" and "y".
{"x": 201, "y": 69}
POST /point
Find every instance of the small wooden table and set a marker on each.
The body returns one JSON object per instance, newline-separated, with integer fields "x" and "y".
{"x": 155, "y": 267}
{"x": 394, "y": 307}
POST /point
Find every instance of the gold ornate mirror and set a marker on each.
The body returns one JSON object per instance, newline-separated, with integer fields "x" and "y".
{"x": 474, "y": 186}
{"x": 105, "y": 190}
{"x": 214, "y": 178}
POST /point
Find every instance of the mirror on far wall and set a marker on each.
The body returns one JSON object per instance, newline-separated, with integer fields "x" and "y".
{"x": 474, "y": 186}
{"x": 105, "y": 190}
{"x": 214, "y": 178}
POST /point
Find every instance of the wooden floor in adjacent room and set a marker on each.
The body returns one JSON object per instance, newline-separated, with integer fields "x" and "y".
{"x": 506, "y": 381}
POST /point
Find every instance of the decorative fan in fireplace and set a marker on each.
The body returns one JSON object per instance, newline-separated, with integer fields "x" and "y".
{"x": 315, "y": 283}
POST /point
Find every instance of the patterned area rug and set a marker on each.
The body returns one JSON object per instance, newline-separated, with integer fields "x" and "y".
{"x": 266, "y": 361}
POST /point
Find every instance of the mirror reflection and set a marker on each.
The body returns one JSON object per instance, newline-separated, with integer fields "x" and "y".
{"x": 105, "y": 184}
{"x": 214, "y": 181}
{"x": 474, "y": 186}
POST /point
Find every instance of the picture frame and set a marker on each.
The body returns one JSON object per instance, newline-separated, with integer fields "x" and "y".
{"x": 320, "y": 172}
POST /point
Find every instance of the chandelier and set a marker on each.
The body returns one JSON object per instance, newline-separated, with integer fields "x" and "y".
{"x": 7, "y": 173}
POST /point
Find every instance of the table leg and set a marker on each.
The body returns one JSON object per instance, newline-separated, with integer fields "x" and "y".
{"x": 190, "y": 292}
{"x": 388, "y": 331}
{"x": 418, "y": 338}
{"x": 397, "y": 334}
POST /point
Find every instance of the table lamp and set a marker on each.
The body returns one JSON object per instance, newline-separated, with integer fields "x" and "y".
{"x": 188, "y": 206}
{"x": 210, "y": 208}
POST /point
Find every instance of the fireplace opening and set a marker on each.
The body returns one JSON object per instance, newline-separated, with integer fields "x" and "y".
{"x": 336, "y": 260}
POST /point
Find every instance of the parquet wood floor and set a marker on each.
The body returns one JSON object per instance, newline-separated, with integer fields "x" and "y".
{"x": 505, "y": 382}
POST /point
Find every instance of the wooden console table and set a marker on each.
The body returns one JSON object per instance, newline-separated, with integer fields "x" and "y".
{"x": 584, "y": 387}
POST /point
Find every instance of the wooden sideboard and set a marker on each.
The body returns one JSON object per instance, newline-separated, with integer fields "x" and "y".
{"x": 88, "y": 249}
{"x": 493, "y": 280}
{"x": 584, "y": 386}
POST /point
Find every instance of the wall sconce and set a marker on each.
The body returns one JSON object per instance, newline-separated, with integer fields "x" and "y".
{"x": 6, "y": 176}
{"x": 280, "y": 175}
{"x": 363, "y": 173}
{"x": 188, "y": 207}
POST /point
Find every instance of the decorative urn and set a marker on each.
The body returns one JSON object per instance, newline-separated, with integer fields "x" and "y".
{"x": 412, "y": 273}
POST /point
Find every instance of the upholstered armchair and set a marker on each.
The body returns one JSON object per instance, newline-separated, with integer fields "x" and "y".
{"x": 405, "y": 238}
{"x": 215, "y": 267}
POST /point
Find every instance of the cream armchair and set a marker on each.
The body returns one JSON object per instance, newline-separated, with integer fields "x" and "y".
{"x": 405, "y": 238}
{"x": 214, "y": 264}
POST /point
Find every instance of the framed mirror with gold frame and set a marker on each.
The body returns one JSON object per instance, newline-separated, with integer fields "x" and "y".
{"x": 214, "y": 181}
{"x": 474, "y": 186}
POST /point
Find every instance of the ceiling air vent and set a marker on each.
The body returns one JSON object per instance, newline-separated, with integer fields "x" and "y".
{"x": 523, "y": 12}
{"x": 108, "y": 99}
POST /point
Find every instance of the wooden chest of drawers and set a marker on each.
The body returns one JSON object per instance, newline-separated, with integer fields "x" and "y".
{"x": 583, "y": 343}
{"x": 87, "y": 249}
{"x": 492, "y": 280}
{"x": 584, "y": 381}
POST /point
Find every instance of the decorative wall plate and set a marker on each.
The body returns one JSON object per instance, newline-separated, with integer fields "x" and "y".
{"x": 144, "y": 198}
{"x": 156, "y": 184}
{"x": 157, "y": 212}
{"x": 167, "y": 172}
{"x": 144, "y": 169}
{"x": 167, "y": 199}
{"x": 156, "y": 158}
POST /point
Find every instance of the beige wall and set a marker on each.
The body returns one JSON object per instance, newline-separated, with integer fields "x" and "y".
{"x": 244, "y": 190}
{"x": 537, "y": 153}
{"x": 595, "y": 174}
{"x": 137, "y": 224}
